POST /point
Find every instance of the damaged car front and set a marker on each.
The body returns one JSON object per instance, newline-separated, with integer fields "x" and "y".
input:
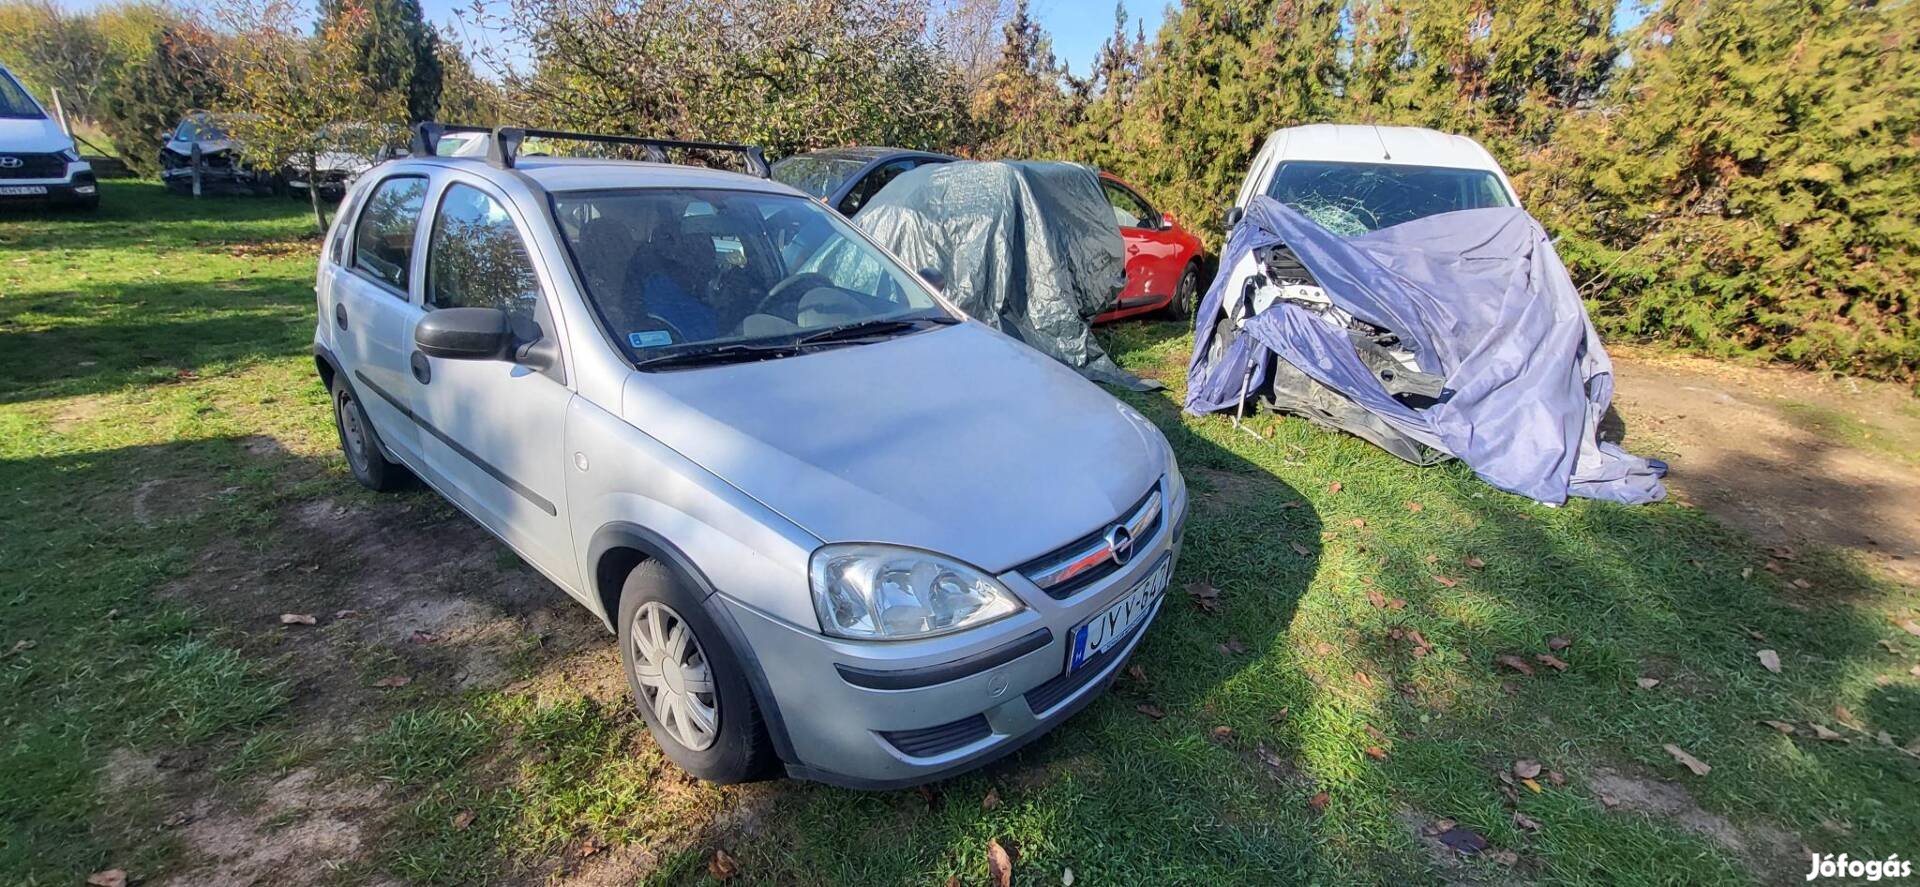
{"x": 201, "y": 148}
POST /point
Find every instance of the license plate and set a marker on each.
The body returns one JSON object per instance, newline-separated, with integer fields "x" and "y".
{"x": 1113, "y": 625}
{"x": 21, "y": 190}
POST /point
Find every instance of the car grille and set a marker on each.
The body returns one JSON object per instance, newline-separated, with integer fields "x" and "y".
{"x": 1044, "y": 698}
{"x": 928, "y": 742}
{"x": 1084, "y": 561}
{"x": 33, "y": 166}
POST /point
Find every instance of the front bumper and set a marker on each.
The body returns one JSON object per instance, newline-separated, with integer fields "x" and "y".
{"x": 889, "y": 715}
{"x": 74, "y": 188}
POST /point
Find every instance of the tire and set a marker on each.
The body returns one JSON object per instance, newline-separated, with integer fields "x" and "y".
{"x": 361, "y": 443}
{"x": 736, "y": 748}
{"x": 1186, "y": 296}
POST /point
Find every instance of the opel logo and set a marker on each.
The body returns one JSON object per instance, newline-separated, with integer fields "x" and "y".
{"x": 11, "y": 162}
{"x": 1120, "y": 545}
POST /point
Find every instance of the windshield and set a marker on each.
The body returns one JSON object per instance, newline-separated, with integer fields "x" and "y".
{"x": 1350, "y": 199}
{"x": 14, "y": 101}
{"x": 679, "y": 270}
{"x": 199, "y": 129}
{"x": 818, "y": 176}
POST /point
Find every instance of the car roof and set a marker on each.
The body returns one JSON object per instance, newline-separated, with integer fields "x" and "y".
{"x": 593, "y": 174}
{"x": 1366, "y": 143}
{"x": 869, "y": 152}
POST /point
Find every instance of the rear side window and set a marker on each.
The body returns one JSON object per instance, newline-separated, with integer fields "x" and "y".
{"x": 383, "y": 239}
{"x": 872, "y": 184}
{"x": 476, "y": 258}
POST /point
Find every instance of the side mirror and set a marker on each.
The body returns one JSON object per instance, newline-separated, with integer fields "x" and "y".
{"x": 465, "y": 334}
{"x": 1166, "y": 222}
{"x": 1233, "y": 217}
{"x": 934, "y": 278}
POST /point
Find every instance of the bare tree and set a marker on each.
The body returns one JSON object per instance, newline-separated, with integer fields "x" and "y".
{"x": 969, "y": 32}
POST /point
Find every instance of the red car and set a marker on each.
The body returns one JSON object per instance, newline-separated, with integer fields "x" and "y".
{"x": 1163, "y": 259}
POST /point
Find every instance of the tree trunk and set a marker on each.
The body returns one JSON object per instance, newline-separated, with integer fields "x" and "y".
{"x": 313, "y": 195}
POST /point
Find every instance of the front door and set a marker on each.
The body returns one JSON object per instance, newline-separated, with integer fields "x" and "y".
{"x": 1152, "y": 255}
{"x": 373, "y": 314}
{"x": 492, "y": 429}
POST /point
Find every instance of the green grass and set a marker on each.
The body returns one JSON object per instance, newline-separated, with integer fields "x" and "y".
{"x": 143, "y": 348}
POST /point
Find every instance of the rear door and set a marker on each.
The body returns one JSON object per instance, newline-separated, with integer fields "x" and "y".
{"x": 372, "y": 310}
{"x": 1153, "y": 257}
{"x": 493, "y": 428}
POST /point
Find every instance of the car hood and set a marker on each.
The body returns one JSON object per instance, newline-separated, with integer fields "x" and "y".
{"x": 35, "y": 136}
{"x": 957, "y": 440}
{"x": 184, "y": 147}
{"x": 341, "y": 161}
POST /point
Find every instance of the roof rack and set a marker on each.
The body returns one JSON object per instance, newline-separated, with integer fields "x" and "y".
{"x": 504, "y": 147}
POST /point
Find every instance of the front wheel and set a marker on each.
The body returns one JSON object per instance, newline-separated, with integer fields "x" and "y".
{"x": 1186, "y": 296}
{"x": 690, "y": 687}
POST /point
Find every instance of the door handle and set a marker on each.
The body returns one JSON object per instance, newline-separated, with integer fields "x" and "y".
{"x": 340, "y": 315}
{"x": 422, "y": 370}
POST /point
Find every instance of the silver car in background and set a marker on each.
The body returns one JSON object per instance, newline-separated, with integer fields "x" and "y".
{"x": 840, "y": 530}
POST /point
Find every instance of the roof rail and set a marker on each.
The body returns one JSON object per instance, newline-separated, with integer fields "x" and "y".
{"x": 505, "y": 145}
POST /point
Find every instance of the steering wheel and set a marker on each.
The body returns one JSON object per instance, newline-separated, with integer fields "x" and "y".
{"x": 790, "y": 289}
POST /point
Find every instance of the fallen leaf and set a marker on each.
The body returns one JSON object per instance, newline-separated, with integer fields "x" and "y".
{"x": 297, "y": 619}
{"x": 589, "y": 846}
{"x": 1222, "y": 733}
{"x": 1698, "y": 766}
{"x": 1359, "y": 523}
{"x": 1300, "y": 550}
{"x": 1439, "y": 825}
{"x": 1514, "y": 662}
{"x": 1781, "y": 726}
{"x": 1280, "y": 717}
{"x": 1910, "y": 627}
{"x": 1915, "y": 671}
{"x": 1558, "y": 643}
{"x": 1802, "y": 584}
{"x": 1415, "y": 507}
{"x": 1845, "y": 716}
{"x": 1769, "y": 659}
{"x": 108, "y": 878}
{"x": 1772, "y": 566}
{"x": 1323, "y": 648}
{"x": 1552, "y": 661}
{"x": 1474, "y": 562}
{"x": 1446, "y": 581}
{"x": 393, "y": 680}
{"x": 21, "y": 647}
{"x": 1363, "y": 679}
{"x": 1531, "y": 785}
{"x": 462, "y": 820}
{"x": 1420, "y": 645}
{"x": 1754, "y": 634}
{"x": 1397, "y": 604}
{"x": 1556, "y": 778}
{"x": 1204, "y": 596}
{"x": 1431, "y": 558}
{"x": 721, "y": 866}
{"x": 1888, "y": 646}
{"x": 1150, "y": 710}
{"x": 423, "y": 637}
{"x": 1378, "y": 600}
{"x": 1066, "y": 877}
{"x": 1609, "y": 800}
{"x": 1233, "y": 647}
{"x": 1318, "y": 802}
{"x": 345, "y": 614}
{"x": 1522, "y": 820}
{"x": 1376, "y": 752}
{"x": 1526, "y": 769}
{"x": 1138, "y": 673}
{"x": 1463, "y": 840}
{"x": 1504, "y": 857}
{"x": 1376, "y": 734}
{"x": 999, "y": 864}
{"x": 1268, "y": 757}
{"x": 1648, "y": 683}
{"x": 1820, "y": 731}
{"x": 992, "y": 800}
{"x": 1334, "y": 487}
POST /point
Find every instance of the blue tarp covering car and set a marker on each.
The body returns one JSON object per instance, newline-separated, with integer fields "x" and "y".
{"x": 1455, "y": 335}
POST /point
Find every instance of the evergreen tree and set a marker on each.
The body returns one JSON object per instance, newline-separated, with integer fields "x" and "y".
{"x": 1027, "y": 103}
{"x": 396, "y": 50}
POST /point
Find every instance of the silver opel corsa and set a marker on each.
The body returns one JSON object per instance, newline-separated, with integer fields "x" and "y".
{"x": 840, "y": 530}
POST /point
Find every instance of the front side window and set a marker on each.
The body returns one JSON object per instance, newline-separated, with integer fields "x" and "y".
{"x": 872, "y": 184}
{"x": 383, "y": 239}
{"x": 1351, "y": 199}
{"x": 1129, "y": 211}
{"x": 819, "y": 176}
{"x": 14, "y": 101}
{"x": 476, "y": 257}
{"x": 674, "y": 270}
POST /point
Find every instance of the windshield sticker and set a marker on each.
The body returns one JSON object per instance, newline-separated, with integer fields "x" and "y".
{"x": 650, "y": 339}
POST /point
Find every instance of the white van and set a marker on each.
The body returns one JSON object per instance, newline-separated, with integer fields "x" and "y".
{"x": 1355, "y": 178}
{"x": 38, "y": 161}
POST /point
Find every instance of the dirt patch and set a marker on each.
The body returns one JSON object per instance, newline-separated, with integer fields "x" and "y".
{"x": 304, "y": 831}
{"x": 164, "y": 500}
{"x": 1790, "y": 457}
{"x": 1765, "y": 850}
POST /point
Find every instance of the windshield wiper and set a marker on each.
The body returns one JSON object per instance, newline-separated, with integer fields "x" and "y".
{"x": 869, "y": 329}
{"x": 718, "y": 354}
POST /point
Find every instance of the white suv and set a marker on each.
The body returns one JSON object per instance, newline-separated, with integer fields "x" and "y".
{"x": 835, "y": 525}
{"x": 38, "y": 160}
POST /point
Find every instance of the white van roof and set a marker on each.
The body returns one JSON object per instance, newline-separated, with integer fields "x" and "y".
{"x": 1359, "y": 142}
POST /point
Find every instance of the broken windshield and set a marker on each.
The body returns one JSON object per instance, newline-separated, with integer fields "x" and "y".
{"x": 1351, "y": 199}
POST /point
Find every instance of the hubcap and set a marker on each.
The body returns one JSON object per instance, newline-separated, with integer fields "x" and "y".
{"x": 351, "y": 434}
{"x": 675, "y": 682}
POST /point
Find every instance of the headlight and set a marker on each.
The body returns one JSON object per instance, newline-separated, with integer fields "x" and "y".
{"x": 70, "y": 155}
{"x": 1176, "y": 484}
{"x": 874, "y": 592}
